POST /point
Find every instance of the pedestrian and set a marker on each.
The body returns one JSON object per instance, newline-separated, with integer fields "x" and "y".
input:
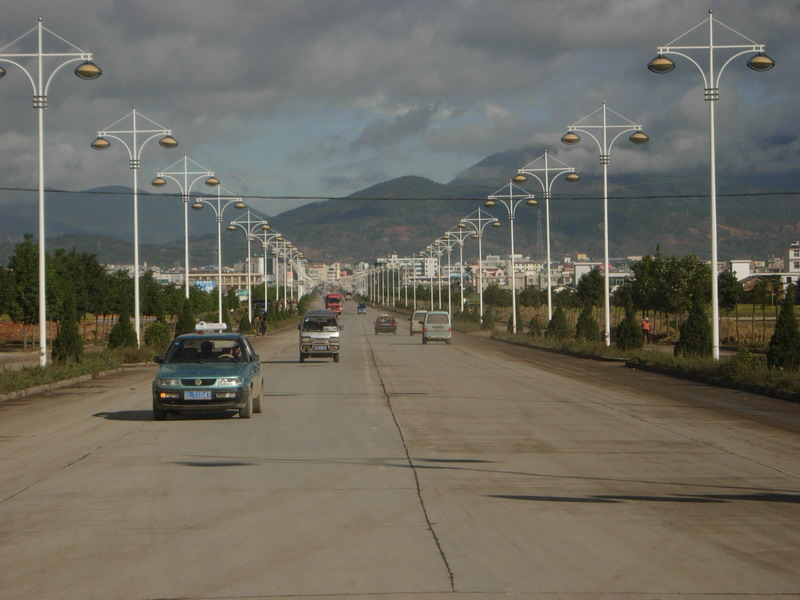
{"x": 646, "y": 330}
{"x": 257, "y": 325}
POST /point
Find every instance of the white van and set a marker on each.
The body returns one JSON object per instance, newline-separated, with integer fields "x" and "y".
{"x": 416, "y": 321}
{"x": 319, "y": 335}
{"x": 436, "y": 326}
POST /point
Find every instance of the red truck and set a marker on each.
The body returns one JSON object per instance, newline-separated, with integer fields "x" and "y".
{"x": 333, "y": 302}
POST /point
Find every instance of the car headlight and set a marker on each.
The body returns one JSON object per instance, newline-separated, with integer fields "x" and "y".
{"x": 305, "y": 339}
{"x": 168, "y": 382}
{"x": 229, "y": 381}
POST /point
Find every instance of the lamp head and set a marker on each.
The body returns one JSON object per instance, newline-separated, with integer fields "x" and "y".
{"x": 497, "y": 224}
{"x": 88, "y": 70}
{"x": 2, "y": 71}
{"x": 661, "y": 64}
{"x": 570, "y": 138}
{"x": 197, "y": 206}
{"x": 520, "y": 178}
{"x": 489, "y": 203}
{"x": 531, "y": 202}
{"x": 639, "y": 137}
{"x": 158, "y": 182}
{"x": 573, "y": 177}
{"x": 231, "y": 227}
{"x": 475, "y": 236}
{"x": 240, "y": 205}
{"x": 168, "y": 142}
{"x": 100, "y": 143}
{"x": 462, "y": 225}
{"x": 265, "y": 226}
{"x": 761, "y": 62}
{"x": 212, "y": 181}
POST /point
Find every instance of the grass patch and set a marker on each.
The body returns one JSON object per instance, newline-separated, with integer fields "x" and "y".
{"x": 12, "y": 380}
{"x": 743, "y": 368}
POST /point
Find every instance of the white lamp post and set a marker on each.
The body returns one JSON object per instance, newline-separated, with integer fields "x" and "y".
{"x": 459, "y": 234}
{"x": 218, "y": 204}
{"x": 254, "y": 227}
{"x": 40, "y": 77}
{"x": 604, "y": 145}
{"x": 546, "y": 175}
{"x": 134, "y": 145}
{"x": 511, "y": 199}
{"x": 186, "y": 186}
{"x": 759, "y": 62}
{"x": 477, "y": 222}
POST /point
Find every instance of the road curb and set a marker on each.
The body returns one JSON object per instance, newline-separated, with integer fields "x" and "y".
{"x": 742, "y": 387}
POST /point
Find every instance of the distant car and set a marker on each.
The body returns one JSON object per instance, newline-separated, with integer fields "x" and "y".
{"x": 319, "y": 335}
{"x": 436, "y": 326}
{"x": 416, "y": 321}
{"x": 385, "y": 324}
{"x": 362, "y": 308}
{"x": 208, "y": 372}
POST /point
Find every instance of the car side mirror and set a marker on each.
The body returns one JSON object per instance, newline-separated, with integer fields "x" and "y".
{"x": 158, "y": 359}
{"x": 255, "y": 358}
{"x": 341, "y": 327}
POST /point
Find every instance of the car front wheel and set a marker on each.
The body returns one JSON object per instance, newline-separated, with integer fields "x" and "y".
{"x": 247, "y": 410}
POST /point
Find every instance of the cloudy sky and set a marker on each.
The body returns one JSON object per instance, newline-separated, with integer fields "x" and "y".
{"x": 326, "y": 97}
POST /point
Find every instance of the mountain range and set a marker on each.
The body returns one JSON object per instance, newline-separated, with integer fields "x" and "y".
{"x": 758, "y": 217}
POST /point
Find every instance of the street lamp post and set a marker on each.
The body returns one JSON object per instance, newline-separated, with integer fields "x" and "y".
{"x": 604, "y": 145}
{"x": 511, "y": 200}
{"x": 254, "y": 228}
{"x": 546, "y": 175}
{"x": 478, "y": 221}
{"x": 429, "y": 253}
{"x": 218, "y": 204}
{"x": 134, "y": 145}
{"x": 40, "y": 81}
{"x": 459, "y": 234}
{"x": 185, "y": 185}
{"x": 759, "y": 62}
{"x": 448, "y": 240}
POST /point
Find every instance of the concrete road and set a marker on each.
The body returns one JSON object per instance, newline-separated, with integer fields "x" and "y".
{"x": 471, "y": 471}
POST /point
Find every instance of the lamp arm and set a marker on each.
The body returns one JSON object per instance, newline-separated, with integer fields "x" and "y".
{"x": 119, "y": 139}
{"x": 82, "y": 57}
{"x": 666, "y": 50}
{"x": 23, "y": 69}
{"x": 591, "y": 135}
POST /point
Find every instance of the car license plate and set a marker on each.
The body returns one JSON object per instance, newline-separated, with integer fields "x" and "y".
{"x": 320, "y": 348}
{"x": 197, "y": 395}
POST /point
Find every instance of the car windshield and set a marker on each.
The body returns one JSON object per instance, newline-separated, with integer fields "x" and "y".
{"x": 319, "y": 324}
{"x": 436, "y": 319}
{"x": 205, "y": 350}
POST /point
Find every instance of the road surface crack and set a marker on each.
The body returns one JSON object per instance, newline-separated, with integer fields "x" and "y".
{"x": 414, "y": 471}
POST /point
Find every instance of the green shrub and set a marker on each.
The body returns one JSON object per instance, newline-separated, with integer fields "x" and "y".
{"x": 629, "y": 334}
{"x": 68, "y": 345}
{"x": 536, "y": 326}
{"x": 157, "y": 335}
{"x": 784, "y": 347}
{"x": 244, "y": 324}
{"x": 185, "y": 322}
{"x": 122, "y": 335}
{"x": 489, "y": 319}
{"x": 587, "y": 327}
{"x": 558, "y": 328}
{"x": 695, "y": 334}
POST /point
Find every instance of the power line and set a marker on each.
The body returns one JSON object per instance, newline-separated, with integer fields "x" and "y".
{"x": 397, "y": 198}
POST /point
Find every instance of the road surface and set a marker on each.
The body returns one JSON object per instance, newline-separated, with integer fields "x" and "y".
{"x": 472, "y": 471}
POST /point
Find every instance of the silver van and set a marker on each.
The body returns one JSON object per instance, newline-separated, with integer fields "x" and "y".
{"x": 436, "y": 326}
{"x": 319, "y": 335}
